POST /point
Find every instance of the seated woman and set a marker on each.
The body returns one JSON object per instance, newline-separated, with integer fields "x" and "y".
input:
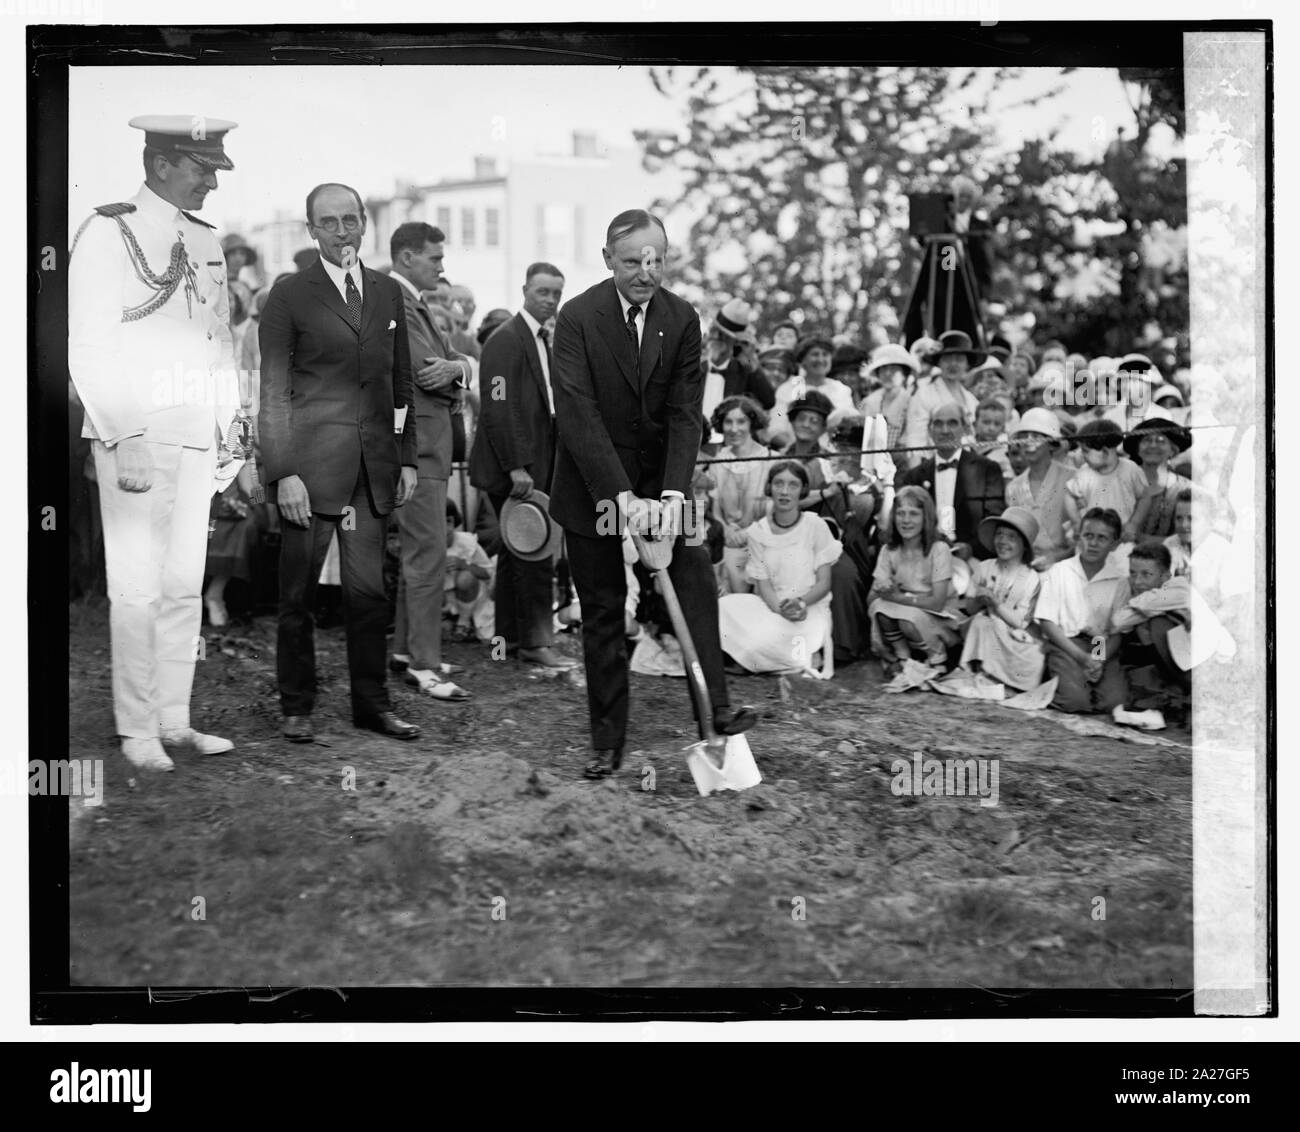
{"x": 913, "y": 605}
{"x": 782, "y": 626}
{"x": 738, "y": 499}
{"x": 1153, "y": 442}
{"x": 999, "y": 641}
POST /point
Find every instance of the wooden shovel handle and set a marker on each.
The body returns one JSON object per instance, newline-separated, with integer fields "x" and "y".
{"x": 690, "y": 658}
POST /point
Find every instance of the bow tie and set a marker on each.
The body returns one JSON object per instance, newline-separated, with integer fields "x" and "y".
{"x": 944, "y": 465}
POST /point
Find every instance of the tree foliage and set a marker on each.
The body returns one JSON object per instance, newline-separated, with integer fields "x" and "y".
{"x": 796, "y": 180}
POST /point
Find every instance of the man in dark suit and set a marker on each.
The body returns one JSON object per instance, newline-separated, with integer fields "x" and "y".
{"x": 514, "y": 453}
{"x": 627, "y": 383}
{"x": 966, "y": 488}
{"x": 336, "y": 366}
{"x": 440, "y": 376}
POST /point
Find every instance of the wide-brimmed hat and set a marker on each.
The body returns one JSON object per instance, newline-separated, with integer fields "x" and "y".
{"x": 1168, "y": 390}
{"x": 527, "y": 528}
{"x": 1000, "y": 348}
{"x": 1157, "y": 420}
{"x": 891, "y": 354}
{"x": 1042, "y": 421}
{"x": 1141, "y": 367}
{"x": 1019, "y": 519}
{"x": 957, "y": 342}
{"x": 813, "y": 402}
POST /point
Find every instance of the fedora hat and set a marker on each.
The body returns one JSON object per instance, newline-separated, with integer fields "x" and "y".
{"x": 1156, "y": 420}
{"x": 527, "y": 528}
{"x": 1019, "y": 519}
{"x": 957, "y": 342}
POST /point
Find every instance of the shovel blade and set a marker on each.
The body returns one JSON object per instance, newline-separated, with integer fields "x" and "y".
{"x": 738, "y": 771}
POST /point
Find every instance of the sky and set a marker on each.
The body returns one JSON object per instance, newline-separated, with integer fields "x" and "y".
{"x": 371, "y": 127}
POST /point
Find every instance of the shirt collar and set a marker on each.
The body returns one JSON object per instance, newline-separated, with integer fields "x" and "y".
{"x": 152, "y": 206}
{"x": 626, "y": 304}
{"x": 403, "y": 281}
{"x": 533, "y": 324}
{"x": 336, "y": 273}
{"x": 1110, "y": 569}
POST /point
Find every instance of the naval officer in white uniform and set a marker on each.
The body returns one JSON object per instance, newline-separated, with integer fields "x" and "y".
{"x": 150, "y": 354}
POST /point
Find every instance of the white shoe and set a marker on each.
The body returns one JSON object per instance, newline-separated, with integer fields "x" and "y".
{"x": 1150, "y": 720}
{"x": 198, "y": 742}
{"x": 146, "y": 754}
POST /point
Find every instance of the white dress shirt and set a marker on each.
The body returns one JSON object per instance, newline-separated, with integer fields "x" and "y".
{"x": 945, "y": 494}
{"x": 337, "y": 274}
{"x": 535, "y": 328}
{"x": 640, "y": 319}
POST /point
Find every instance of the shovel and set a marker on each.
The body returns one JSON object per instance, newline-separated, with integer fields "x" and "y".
{"x": 717, "y": 762}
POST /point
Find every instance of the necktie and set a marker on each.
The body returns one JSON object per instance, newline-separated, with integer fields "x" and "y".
{"x": 944, "y": 465}
{"x": 545, "y": 336}
{"x": 632, "y": 312}
{"x": 354, "y": 302}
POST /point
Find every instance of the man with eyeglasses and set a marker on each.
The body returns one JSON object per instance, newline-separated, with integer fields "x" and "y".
{"x": 151, "y": 358}
{"x": 336, "y": 375}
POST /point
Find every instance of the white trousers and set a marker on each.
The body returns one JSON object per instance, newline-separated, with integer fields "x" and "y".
{"x": 155, "y": 547}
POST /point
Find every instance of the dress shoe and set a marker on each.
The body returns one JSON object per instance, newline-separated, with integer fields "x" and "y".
{"x": 146, "y": 754}
{"x": 399, "y": 662}
{"x": 1150, "y": 720}
{"x": 732, "y": 721}
{"x": 386, "y": 723}
{"x": 428, "y": 683}
{"x": 296, "y": 728}
{"x": 604, "y": 763}
{"x": 547, "y": 657}
{"x": 196, "y": 741}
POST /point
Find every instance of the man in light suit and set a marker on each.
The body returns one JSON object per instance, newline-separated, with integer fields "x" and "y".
{"x": 151, "y": 357}
{"x": 514, "y": 453}
{"x": 441, "y": 375}
{"x": 628, "y": 386}
{"x": 336, "y": 366}
{"x": 966, "y": 488}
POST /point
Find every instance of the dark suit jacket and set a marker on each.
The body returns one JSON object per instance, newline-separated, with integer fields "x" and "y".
{"x": 980, "y": 492}
{"x": 514, "y": 423}
{"x": 432, "y": 410}
{"x": 328, "y": 394}
{"x": 737, "y": 381}
{"x": 615, "y": 433}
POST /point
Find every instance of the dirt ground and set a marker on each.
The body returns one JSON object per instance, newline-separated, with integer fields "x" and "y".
{"x": 479, "y": 855}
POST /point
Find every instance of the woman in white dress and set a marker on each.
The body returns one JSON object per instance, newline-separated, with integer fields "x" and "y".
{"x": 788, "y": 620}
{"x": 738, "y": 499}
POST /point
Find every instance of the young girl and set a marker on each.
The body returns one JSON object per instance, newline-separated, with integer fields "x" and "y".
{"x": 782, "y": 626}
{"x": 913, "y": 605}
{"x": 1107, "y": 480}
{"x": 998, "y": 639}
{"x": 738, "y": 500}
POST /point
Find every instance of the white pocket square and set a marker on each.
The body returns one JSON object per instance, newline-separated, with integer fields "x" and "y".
{"x": 392, "y": 325}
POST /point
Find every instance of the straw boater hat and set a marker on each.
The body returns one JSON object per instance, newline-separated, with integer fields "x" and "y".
{"x": 734, "y": 319}
{"x": 527, "y": 528}
{"x": 1157, "y": 420}
{"x": 1019, "y": 519}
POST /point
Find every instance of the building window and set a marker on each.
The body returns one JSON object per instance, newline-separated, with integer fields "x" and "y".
{"x": 443, "y": 222}
{"x": 555, "y": 233}
{"x": 492, "y": 227}
{"x": 466, "y": 227}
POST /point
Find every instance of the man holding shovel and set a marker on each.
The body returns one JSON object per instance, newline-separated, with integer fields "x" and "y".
{"x": 628, "y": 388}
